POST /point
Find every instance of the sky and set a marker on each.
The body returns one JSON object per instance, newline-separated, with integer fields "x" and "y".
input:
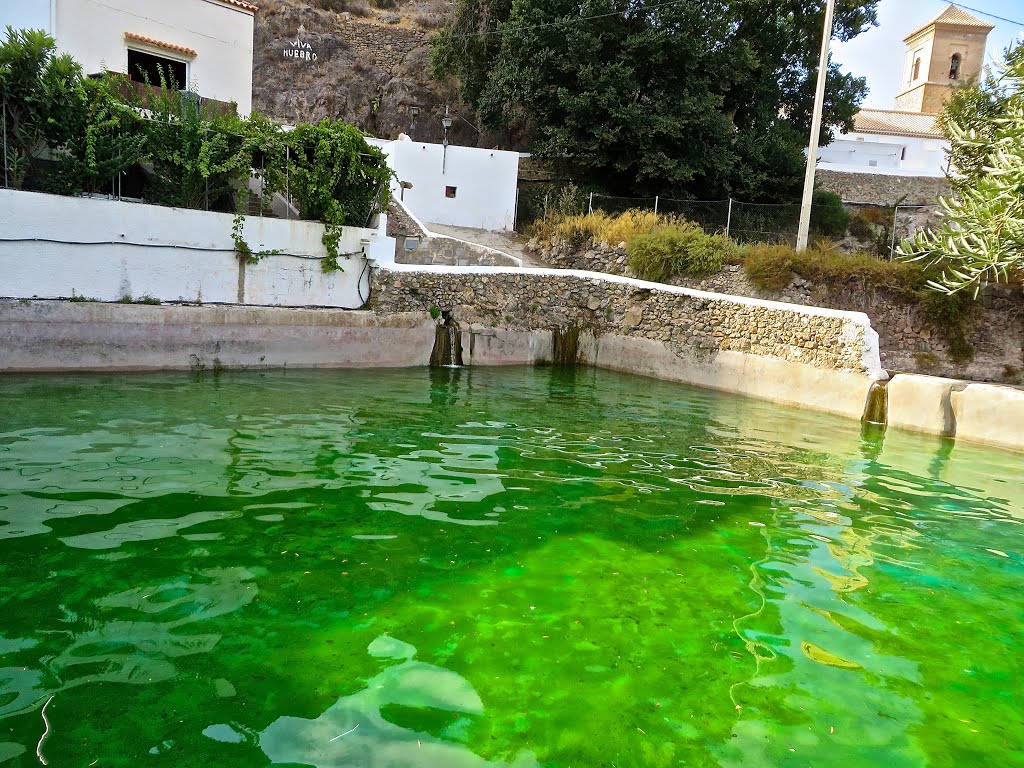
{"x": 24, "y": 13}
{"x": 878, "y": 53}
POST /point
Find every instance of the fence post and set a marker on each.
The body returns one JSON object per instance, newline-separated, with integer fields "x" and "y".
{"x": 546, "y": 196}
{"x": 590, "y": 204}
{"x": 655, "y": 205}
{"x": 895, "y": 221}
{"x": 6, "y": 185}
{"x": 728, "y": 219}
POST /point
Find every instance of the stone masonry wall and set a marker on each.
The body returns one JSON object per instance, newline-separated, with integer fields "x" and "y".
{"x": 450, "y": 252}
{"x": 383, "y": 46}
{"x": 882, "y": 189}
{"x": 907, "y": 342}
{"x": 692, "y": 325}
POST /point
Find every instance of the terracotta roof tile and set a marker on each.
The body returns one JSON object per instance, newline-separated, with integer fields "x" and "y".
{"x": 161, "y": 44}
{"x": 242, "y": 4}
{"x": 891, "y": 123}
{"x": 956, "y": 16}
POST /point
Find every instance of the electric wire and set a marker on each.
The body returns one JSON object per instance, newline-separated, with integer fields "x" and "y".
{"x": 359, "y": 281}
{"x": 990, "y": 15}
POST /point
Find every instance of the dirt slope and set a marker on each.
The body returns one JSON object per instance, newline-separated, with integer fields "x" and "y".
{"x": 372, "y": 65}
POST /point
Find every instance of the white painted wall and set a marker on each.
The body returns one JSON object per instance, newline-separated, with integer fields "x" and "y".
{"x": 894, "y": 155}
{"x": 115, "y": 248}
{"x": 93, "y": 31}
{"x": 485, "y": 181}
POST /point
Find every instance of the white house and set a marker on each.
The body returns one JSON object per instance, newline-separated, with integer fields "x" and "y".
{"x": 207, "y": 45}
{"x": 940, "y": 57}
{"x": 457, "y": 186}
{"x": 891, "y": 143}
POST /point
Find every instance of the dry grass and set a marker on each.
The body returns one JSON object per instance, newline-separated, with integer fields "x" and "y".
{"x": 429, "y": 20}
{"x": 599, "y": 227}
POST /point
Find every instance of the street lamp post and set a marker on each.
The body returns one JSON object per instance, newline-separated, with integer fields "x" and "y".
{"x": 414, "y": 112}
{"x": 446, "y": 121}
{"x": 812, "y": 146}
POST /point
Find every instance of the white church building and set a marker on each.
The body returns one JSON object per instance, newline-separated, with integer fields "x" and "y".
{"x": 941, "y": 56}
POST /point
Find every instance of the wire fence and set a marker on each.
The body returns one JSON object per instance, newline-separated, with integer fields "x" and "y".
{"x": 871, "y": 227}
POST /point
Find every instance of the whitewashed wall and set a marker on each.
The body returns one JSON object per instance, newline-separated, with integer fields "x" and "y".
{"x": 485, "y": 181}
{"x": 900, "y": 155}
{"x": 109, "y": 249}
{"x": 93, "y": 32}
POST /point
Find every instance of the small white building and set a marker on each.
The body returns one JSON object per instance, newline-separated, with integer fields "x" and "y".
{"x": 206, "y": 45}
{"x": 889, "y": 142}
{"x": 456, "y": 186}
{"x": 940, "y": 57}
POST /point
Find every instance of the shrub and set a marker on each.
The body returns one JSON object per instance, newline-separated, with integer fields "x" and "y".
{"x": 861, "y": 228}
{"x": 429, "y": 20}
{"x": 568, "y": 201}
{"x": 771, "y": 268}
{"x": 951, "y": 315}
{"x": 676, "y": 249}
{"x": 829, "y": 216}
{"x": 577, "y": 230}
{"x": 581, "y": 229}
{"x": 651, "y": 256}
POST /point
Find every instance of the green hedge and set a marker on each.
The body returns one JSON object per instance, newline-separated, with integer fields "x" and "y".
{"x": 677, "y": 249}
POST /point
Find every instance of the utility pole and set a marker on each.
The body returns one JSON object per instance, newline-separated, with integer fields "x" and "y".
{"x": 812, "y": 146}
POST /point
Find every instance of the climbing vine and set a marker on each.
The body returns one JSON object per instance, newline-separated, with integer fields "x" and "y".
{"x": 336, "y": 178}
{"x": 189, "y": 153}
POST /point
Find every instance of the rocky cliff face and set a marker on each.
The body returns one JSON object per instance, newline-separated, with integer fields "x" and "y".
{"x": 371, "y": 66}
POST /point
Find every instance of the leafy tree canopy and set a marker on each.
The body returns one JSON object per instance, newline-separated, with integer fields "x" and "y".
{"x": 981, "y": 239}
{"x": 651, "y": 97}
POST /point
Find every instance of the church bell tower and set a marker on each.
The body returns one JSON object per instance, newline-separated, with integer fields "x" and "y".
{"x": 942, "y": 55}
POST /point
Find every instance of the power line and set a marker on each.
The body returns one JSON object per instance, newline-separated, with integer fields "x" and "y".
{"x": 566, "y": 21}
{"x": 990, "y": 15}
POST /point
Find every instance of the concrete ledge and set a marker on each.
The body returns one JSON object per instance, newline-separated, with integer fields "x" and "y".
{"x": 838, "y": 391}
{"x": 989, "y": 414}
{"x": 922, "y": 404}
{"x": 63, "y": 336}
{"x": 841, "y": 392}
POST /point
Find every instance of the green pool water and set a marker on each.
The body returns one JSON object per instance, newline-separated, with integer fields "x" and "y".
{"x": 469, "y": 568}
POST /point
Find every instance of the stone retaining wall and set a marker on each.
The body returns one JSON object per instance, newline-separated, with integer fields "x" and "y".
{"x": 882, "y": 189}
{"x": 448, "y": 251}
{"x": 907, "y": 342}
{"x": 812, "y": 357}
{"x": 382, "y": 46}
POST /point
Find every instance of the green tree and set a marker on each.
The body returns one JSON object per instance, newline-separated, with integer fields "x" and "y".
{"x": 981, "y": 237}
{"x": 41, "y": 99}
{"x": 700, "y": 97}
{"x": 105, "y": 136}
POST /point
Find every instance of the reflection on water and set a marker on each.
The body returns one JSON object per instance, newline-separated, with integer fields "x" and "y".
{"x": 138, "y": 650}
{"x": 595, "y": 570}
{"x": 354, "y": 731}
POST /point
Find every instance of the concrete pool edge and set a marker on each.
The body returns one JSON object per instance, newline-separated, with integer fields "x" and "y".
{"x": 53, "y": 336}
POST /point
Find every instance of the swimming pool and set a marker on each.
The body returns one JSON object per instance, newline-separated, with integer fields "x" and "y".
{"x": 490, "y": 567}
